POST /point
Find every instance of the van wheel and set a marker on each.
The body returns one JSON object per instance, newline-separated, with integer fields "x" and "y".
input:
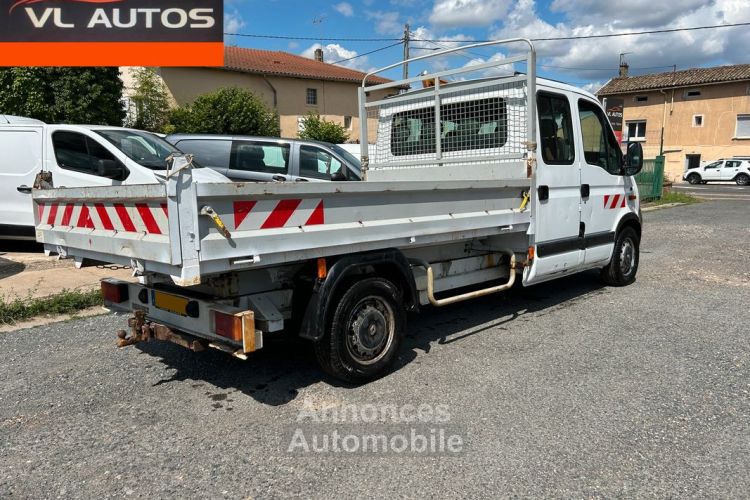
{"x": 694, "y": 179}
{"x": 365, "y": 333}
{"x": 623, "y": 267}
{"x": 742, "y": 180}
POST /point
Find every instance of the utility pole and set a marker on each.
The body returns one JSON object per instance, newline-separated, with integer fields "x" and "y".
{"x": 407, "y": 37}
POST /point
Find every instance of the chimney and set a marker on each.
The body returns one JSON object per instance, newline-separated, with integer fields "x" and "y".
{"x": 624, "y": 70}
{"x": 319, "y": 55}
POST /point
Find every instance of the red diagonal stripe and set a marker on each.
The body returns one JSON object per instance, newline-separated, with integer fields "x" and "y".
{"x": 281, "y": 214}
{"x": 317, "y": 217}
{"x": 40, "y": 208}
{"x": 241, "y": 211}
{"x": 606, "y": 201}
{"x": 122, "y": 213}
{"x": 84, "y": 220}
{"x": 67, "y": 214}
{"x": 622, "y": 203}
{"x": 166, "y": 209}
{"x": 148, "y": 218}
{"x": 104, "y": 216}
{"x": 615, "y": 200}
{"x": 52, "y": 214}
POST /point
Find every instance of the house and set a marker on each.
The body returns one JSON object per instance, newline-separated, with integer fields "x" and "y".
{"x": 693, "y": 115}
{"x": 292, "y": 85}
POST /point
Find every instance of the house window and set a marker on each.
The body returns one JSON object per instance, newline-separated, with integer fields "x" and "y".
{"x": 348, "y": 122}
{"x": 636, "y": 130}
{"x": 640, "y": 98}
{"x": 743, "y": 127}
{"x": 691, "y": 94}
{"x": 697, "y": 120}
{"x": 312, "y": 97}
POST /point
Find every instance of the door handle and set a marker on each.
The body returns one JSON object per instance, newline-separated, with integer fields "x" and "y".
{"x": 24, "y": 189}
{"x": 279, "y": 178}
{"x": 585, "y": 190}
{"x": 543, "y": 193}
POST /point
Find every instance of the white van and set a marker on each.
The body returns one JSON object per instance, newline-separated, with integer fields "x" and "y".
{"x": 75, "y": 156}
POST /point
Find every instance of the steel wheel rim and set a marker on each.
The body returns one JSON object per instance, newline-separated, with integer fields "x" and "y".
{"x": 627, "y": 257}
{"x": 371, "y": 329}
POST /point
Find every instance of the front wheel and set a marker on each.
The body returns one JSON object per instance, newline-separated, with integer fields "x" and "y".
{"x": 623, "y": 267}
{"x": 694, "y": 179}
{"x": 742, "y": 180}
{"x": 365, "y": 332}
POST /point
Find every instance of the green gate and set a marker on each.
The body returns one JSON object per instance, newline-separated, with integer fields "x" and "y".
{"x": 650, "y": 180}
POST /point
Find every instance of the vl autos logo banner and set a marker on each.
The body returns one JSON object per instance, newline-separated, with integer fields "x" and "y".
{"x": 111, "y": 33}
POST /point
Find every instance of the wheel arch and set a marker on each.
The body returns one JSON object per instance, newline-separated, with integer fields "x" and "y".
{"x": 390, "y": 264}
{"x": 629, "y": 220}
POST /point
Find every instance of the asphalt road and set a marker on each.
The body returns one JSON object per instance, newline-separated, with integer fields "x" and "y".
{"x": 567, "y": 389}
{"x": 716, "y": 191}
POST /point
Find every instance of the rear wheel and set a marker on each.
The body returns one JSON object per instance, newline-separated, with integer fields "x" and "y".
{"x": 742, "y": 180}
{"x": 623, "y": 267}
{"x": 694, "y": 179}
{"x": 365, "y": 331}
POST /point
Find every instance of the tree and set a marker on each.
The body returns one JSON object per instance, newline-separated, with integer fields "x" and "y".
{"x": 150, "y": 101}
{"x": 316, "y": 128}
{"x": 63, "y": 95}
{"x": 228, "y": 111}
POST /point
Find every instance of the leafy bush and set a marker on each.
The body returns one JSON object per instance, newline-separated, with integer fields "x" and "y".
{"x": 316, "y": 128}
{"x": 150, "y": 100}
{"x": 230, "y": 111}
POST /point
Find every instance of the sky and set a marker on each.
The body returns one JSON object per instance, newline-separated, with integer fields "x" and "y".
{"x": 584, "y": 63}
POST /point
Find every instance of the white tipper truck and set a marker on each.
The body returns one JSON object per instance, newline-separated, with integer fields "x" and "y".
{"x": 469, "y": 184}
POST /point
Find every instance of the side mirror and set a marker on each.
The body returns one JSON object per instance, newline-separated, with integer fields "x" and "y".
{"x": 338, "y": 176}
{"x": 633, "y": 159}
{"x": 110, "y": 169}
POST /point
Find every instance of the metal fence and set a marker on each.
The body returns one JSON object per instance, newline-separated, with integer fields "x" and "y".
{"x": 651, "y": 179}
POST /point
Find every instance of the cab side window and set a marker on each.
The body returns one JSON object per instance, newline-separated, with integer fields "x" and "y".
{"x": 555, "y": 129}
{"x": 317, "y": 163}
{"x": 74, "y": 151}
{"x": 599, "y": 144}
{"x": 264, "y": 157}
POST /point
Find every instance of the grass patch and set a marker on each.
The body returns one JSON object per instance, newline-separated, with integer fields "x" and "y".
{"x": 65, "y": 302}
{"x": 674, "y": 197}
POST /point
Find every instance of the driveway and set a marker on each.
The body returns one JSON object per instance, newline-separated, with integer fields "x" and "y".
{"x": 567, "y": 389}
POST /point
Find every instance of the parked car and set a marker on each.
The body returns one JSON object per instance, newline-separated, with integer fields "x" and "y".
{"x": 268, "y": 159}
{"x": 76, "y": 156}
{"x": 730, "y": 169}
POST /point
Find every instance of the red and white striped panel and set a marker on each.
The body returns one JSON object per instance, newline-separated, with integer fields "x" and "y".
{"x": 131, "y": 218}
{"x": 274, "y": 214}
{"x": 612, "y": 201}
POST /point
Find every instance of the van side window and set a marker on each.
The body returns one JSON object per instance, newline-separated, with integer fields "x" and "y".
{"x": 555, "y": 129}
{"x": 600, "y": 147}
{"x": 470, "y": 125}
{"x": 267, "y": 157}
{"x": 208, "y": 153}
{"x": 74, "y": 151}
{"x": 317, "y": 163}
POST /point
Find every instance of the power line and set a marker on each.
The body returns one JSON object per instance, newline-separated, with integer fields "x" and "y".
{"x": 368, "y": 53}
{"x": 314, "y": 38}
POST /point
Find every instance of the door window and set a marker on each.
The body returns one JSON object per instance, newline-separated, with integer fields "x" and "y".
{"x": 555, "y": 129}
{"x": 733, "y": 164}
{"x": 207, "y": 152}
{"x": 600, "y": 147}
{"x": 267, "y": 157}
{"x": 77, "y": 152}
{"x": 318, "y": 163}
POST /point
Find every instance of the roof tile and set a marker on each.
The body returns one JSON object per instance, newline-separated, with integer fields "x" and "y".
{"x": 683, "y": 78}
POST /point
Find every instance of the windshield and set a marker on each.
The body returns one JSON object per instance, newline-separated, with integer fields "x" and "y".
{"x": 144, "y": 148}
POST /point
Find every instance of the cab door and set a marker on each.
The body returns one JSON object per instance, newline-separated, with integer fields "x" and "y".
{"x": 712, "y": 171}
{"x": 555, "y": 206}
{"x": 607, "y": 193}
{"x": 730, "y": 169}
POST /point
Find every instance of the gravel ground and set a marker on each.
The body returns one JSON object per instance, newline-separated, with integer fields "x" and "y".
{"x": 567, "y": 389}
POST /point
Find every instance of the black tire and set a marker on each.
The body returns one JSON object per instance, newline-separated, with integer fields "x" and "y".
{"x": 742, "y": 180}
{"x": 623, "y": 267}
{"x": 694, "y": 179}
{"x": 365, "y": 332}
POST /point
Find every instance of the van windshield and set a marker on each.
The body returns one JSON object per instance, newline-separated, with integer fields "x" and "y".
{"x": 144, "y": 148}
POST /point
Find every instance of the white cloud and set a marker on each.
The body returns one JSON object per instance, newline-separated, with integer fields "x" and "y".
{"x": 334, "y": 52}
{"x": 233, "y": 22}
{"x": 386, "y": 23}
{"x": 344, "y": 8}
{"x": 453, "y": 13}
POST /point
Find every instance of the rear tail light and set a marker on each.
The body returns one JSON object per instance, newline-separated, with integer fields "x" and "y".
{"x": 228, "y": 325}
{"x": 114, "y": 292}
